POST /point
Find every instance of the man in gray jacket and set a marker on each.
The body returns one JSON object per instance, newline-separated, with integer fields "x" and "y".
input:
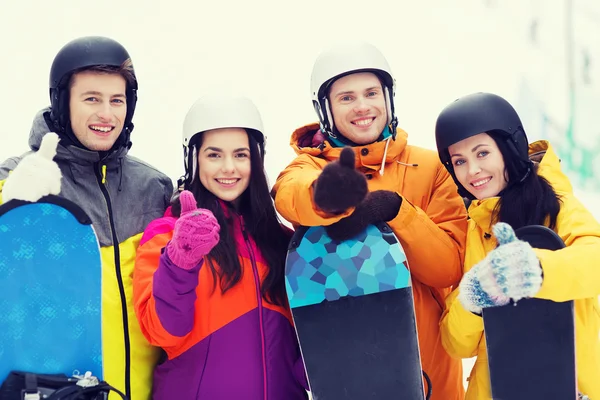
{"x": 79, "y": 149}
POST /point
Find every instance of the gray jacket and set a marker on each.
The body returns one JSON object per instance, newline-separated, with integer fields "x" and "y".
{"x": 121, "y": 202}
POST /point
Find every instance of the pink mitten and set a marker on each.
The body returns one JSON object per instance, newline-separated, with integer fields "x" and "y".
{"x": 196, "y": 233}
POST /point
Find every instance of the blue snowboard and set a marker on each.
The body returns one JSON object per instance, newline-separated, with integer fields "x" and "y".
{"x": 50, "y": 289}
{"x": 352, "y": 306}
{"x": 531, "y": 345}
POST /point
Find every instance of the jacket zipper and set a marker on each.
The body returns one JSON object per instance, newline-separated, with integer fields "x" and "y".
{"x": 260, "y": 306}
{"x": 101, "y": 178}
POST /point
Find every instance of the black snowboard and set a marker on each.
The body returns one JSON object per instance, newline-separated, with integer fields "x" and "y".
{"x": 353, "y": 310}
{"x": 531, "y": 344}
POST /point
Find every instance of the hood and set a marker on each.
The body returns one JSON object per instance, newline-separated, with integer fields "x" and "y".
{"x": 547, "y": 163}
{"x": 70, "y": 153}
{"x": 310, "y": 140}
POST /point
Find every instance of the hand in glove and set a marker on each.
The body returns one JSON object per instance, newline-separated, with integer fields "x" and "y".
{"x": 473, "y": 297}
{"x": 340, "y": 186}
{"x": 512, "y": 267}
{"x": 196, "y": 233}
{"x": 510, "y": 271}
{"x": 378, "y": 206}
{"x": 36, "y": 176}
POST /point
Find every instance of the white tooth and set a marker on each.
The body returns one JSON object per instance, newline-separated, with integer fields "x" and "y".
{"x": 101, "y": 128}
{"x": 364, "y": 121}
{"x": 479, "y": 183}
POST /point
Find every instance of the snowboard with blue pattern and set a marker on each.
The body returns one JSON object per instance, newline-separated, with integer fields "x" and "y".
{"x": 531, "y": 344}
{"x": 352, "y": 306}
{"x": 50, "y": 289}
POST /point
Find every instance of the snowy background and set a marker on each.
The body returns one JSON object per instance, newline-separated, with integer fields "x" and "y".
{"x": 542, "y": 56}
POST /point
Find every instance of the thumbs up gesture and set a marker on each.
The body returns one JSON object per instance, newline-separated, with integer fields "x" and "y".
{"x": 510, "y": 271}
{"x": 513, "y": 266}
{"x": 340, "y": 186}
{"x": 36, "y": 176}
{"x": 196, "y": 232}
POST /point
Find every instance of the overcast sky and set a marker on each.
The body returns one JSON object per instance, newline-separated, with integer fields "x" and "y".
{"x": 438, "y": 51}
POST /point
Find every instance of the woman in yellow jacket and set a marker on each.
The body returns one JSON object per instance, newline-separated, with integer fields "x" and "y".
{"x": 482, "y": 143}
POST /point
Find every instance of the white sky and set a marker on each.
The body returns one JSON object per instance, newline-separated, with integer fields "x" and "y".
{"x": 438, "y": 50}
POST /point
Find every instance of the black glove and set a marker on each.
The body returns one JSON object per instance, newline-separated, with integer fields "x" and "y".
{"x": 378, "y": 206}
{"x": 340, "y": 186}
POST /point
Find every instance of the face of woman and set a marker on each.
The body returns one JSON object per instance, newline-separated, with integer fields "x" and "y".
{"x": 479, "y": 166}
{"x": 224, "y": 162}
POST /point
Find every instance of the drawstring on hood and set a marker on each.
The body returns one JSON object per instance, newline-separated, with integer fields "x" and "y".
{"x": 103, "y": 174}
{"x": 387, "y": 145}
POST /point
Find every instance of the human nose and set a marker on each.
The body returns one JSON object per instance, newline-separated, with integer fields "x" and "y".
{"x": 228, "y": 165}
{"x": 361, "y": 105}
{"x": 104, "y": 112}
{"x": 474, "y": 168}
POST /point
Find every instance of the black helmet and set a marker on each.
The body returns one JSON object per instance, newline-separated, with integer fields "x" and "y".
{"x": 477, "y": 113}
{"x": 81, "y": 53}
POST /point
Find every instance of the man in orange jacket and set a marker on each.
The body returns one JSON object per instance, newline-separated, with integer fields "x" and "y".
{"x": 379, "y": 178}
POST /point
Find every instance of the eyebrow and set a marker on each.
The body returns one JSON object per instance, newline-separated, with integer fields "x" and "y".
{"x": 352, "y": 91}
{"x": 472, "y": 150}
{"x": 96, "y": 93}
{"x": 211, "y": 148}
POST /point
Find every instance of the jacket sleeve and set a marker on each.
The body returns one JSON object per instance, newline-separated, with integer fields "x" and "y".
{"x": 293, "y": 194}
{"x": 434, "y": 238}
{"x": 461, "y": 330}
{"x": 5, "y": 168}
{"x": 164, "y": 295}
{"x": 572, "y": 273}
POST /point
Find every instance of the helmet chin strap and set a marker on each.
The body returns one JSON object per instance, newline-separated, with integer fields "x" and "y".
{"x": 336, "y": 139}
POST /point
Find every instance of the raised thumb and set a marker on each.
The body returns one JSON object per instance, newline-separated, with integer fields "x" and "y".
{"x": 347, "y": 157}
{"x": 48, "y": 146}
{"x": 504, "y": 233}
{"x": 188, "y": 202}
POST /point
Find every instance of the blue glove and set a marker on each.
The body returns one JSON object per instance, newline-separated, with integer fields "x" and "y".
{"x": 472, "y": 296}
{"x": 512, "y": 269}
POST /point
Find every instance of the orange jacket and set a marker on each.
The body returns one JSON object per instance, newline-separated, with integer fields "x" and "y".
{"x": 431, "y": 226}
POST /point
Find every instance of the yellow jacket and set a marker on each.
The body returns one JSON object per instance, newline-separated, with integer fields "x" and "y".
{"x": 571, "y": 273}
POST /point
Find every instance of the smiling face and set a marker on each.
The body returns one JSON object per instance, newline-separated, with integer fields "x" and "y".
{"x": 224, "y": 162}
{"x": 97, "y": 108}
{"x": 358, "y": 107}
{"x": 479, "y": 166}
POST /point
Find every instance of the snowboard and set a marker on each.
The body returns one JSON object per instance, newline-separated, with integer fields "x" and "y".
{"x": 352, "y": 306}
{"x": 531, "y": 344}
{"x": 50, "y": 289}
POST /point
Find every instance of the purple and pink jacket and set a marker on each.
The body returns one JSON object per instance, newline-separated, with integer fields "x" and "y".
{"x": 219, "y": 346}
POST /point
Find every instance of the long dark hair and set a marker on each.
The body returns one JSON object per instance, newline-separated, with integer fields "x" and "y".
{"x": 261, "y": 222}
{"x": 529, "y": 201}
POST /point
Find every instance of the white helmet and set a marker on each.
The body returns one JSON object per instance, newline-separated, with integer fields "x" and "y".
{"x": 217, "y": 111}
{"x": 344, "y": 59}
